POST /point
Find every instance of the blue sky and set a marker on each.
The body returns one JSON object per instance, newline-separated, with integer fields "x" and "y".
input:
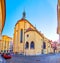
{"x": 42, "y": 13}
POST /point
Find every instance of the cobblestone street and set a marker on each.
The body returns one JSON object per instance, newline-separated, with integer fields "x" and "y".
{"x": 49, "y": 58}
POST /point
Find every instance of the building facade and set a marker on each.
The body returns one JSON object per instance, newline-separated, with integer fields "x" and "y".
{"x": 2, "y": 18}
{"x": 33, "y": 42}
{"x": 28, "y": 40}
{"x": 58, "y": 19}
{"x": 49, "y": 48}
{"x": 5, "y": 44}
{"x": 2, "y": 14}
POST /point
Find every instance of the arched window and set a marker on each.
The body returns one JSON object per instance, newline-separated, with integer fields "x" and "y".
{"x": 27, "y": 45}
{"x": 44, "y": 45}
{"x": 32, "y": 45}
{"x": 21, "y": 35}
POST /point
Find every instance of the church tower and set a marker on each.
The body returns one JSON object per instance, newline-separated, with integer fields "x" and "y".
{"x": 58, "y": 19}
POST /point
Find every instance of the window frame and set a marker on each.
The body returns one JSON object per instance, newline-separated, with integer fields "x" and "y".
{"x": 27, "y": 45}
{"x": 32, "y": 45}
{"x": 21, "y": 35}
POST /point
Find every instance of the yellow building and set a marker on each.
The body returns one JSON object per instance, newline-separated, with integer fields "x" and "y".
{"x": 5, "y": 44}
{"x": 28, "y": 40}
{"x": 49, "y": 48}
{"x": 2, "y": 18}
{"x": 58, "y": 19}
{"x": 33, "y": 42}
{"x": 2, "y": 14}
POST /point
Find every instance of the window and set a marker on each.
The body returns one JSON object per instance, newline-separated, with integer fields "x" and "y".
{"x": 27, "y": 35}
{"x": 32, "y": 45}
{"x": 44, "y": 45}
{"x": 21, "y": 35}
{"x": 4, "y": 51}
{"x": 27, "y": 45}
{"x": 1, "y": 50}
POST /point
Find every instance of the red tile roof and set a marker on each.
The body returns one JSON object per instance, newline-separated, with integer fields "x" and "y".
{"x": 29, "y": 29}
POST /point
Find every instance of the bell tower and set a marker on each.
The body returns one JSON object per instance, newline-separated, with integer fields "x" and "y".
{"x": 58, "y": 19}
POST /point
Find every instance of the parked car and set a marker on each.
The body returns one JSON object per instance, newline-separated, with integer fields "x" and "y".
{"x": 6, "y": 55}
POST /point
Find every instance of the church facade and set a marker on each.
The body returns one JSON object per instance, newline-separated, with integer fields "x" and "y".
{"x": 28, "y": 40}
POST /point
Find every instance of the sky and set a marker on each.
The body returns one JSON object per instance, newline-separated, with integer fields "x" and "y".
{"x": 40, "y": 13}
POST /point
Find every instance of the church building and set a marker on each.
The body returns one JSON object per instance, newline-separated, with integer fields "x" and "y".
{"x": 28, "y": 40}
